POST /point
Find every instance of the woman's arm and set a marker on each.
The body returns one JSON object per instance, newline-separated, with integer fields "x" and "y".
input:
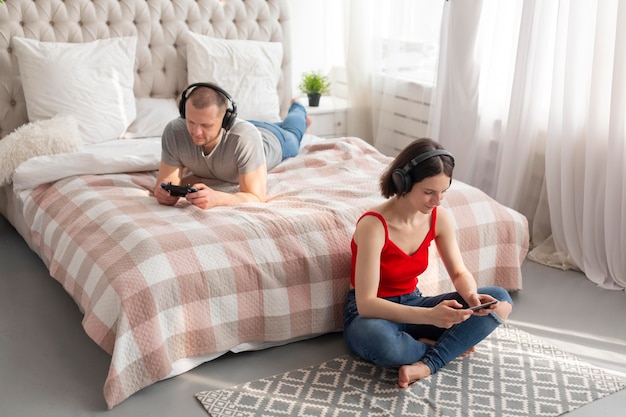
{"x": 370, "y": 239}
{"x": 450, "y": 253}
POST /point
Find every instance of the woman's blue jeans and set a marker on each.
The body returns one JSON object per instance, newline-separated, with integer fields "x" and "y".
{"x": 390, "y": 344}
{"x": 290, "y": 130}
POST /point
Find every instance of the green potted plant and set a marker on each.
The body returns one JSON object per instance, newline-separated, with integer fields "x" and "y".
{"x": 314, "y": 84}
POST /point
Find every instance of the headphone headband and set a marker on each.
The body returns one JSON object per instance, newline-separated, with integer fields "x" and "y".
{"x": 231, "y": 113}
{"x": 426, "y": 155}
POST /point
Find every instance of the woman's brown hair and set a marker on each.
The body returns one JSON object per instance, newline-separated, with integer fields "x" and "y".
{"x": 428, "y": 168}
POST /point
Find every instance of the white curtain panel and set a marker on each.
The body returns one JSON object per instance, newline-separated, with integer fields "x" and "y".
{"x": 531, "y": 97}
{"x": 585, "y": 152}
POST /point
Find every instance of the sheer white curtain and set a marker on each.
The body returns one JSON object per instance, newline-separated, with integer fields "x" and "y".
{"x": 531, "y": 97}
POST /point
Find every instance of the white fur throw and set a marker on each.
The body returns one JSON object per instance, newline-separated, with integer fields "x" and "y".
{"x": 58, "y": 134}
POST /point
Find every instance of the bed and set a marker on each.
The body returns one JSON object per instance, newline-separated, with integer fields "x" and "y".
{"x": 86, "y": 87}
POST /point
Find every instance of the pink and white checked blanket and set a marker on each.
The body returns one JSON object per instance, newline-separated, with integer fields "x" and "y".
{"x": 157, "y": 284}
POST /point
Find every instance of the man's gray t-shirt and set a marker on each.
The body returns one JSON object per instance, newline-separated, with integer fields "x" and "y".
{"x": 241, "y": 150}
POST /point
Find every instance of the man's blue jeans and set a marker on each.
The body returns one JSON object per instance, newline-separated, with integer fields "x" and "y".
{"x": 389, "y": 344}
{"x": 290, "y": 130}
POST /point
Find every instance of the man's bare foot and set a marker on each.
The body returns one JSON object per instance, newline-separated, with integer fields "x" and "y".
{"x": 308, "y": 119}
{"x": 408, "y": 374}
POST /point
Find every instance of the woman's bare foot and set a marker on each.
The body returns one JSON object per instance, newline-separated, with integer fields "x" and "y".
{"x": 432, "y": 342}
{"x": 468, "y": 351}
{"x": 408, "y": 374}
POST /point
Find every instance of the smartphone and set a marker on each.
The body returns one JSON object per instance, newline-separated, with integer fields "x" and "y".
{"x": 482, "y": 305}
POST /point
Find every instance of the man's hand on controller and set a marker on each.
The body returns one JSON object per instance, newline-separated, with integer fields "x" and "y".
{"x": 204, "y": 198}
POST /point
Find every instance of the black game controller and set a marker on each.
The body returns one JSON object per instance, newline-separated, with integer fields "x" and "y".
{"x": 178, "y": 190}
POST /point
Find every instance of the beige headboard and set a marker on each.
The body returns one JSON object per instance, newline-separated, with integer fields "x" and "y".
{"x": 160, "y": 26}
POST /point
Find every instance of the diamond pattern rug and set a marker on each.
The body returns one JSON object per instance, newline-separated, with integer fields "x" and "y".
{"x": 512, "y": 373}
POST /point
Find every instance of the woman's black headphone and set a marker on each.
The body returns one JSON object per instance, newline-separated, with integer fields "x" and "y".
{"x": 401, "y": 176}
{"x": 231, "y": 113}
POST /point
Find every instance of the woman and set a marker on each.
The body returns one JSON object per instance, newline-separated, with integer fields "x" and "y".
{"x": 387, "y": 320}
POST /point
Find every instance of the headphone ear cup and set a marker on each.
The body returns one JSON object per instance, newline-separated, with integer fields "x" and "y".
{"x": 181, "y": 104}
{"x": 401, "y": 181}
{"x": 229, "y": 119}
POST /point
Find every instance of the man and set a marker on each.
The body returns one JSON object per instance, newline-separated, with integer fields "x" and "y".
{"x": 212, "y": 144}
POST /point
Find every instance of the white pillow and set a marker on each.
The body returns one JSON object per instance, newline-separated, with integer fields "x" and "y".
{"x": 92, "y": 81}
{"x": 248, "y": 70}
{"x": 152, "y": 116}
{"x": 59, "y": 134}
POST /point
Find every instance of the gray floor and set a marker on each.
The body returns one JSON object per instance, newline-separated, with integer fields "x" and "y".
{"x": 48, "y": 366}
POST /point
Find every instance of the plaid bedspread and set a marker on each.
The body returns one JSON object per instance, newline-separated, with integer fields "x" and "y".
{"x": 157, "y": 284}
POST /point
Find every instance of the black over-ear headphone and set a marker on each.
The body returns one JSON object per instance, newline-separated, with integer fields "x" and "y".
{"x": 231, "y": 113}
{"x": 402, "y": 178}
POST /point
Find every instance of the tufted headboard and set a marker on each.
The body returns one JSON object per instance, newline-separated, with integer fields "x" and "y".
{"x": 160, "y": 25}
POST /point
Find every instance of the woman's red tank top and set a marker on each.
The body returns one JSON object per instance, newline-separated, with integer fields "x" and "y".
{"x": 398, "y": 270}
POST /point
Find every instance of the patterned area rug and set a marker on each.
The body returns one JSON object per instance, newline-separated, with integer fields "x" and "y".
{"x": 512, "y": 373}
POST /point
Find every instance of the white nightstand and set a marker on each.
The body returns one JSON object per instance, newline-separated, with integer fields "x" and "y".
{"x": 328, "y": 120}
